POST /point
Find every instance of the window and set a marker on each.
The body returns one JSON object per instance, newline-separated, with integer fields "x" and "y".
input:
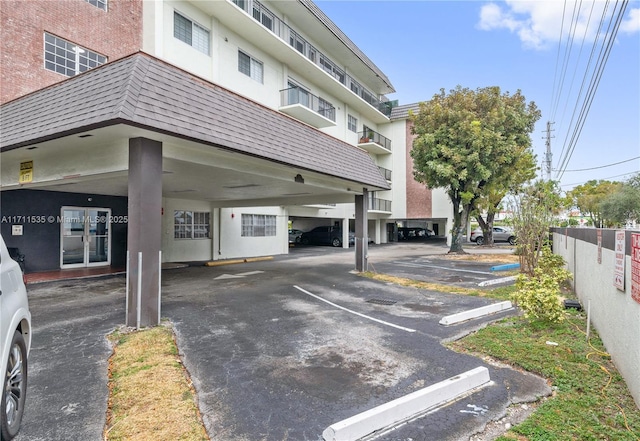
{"x": 352, "y": 123}
{"x": 263, "y": 16}
{"x": 241, "y": 4}
{"x": 258, "y": 225}
{"x": 102, "y": 4}
{"x": 190, "y": 224}
{"x": 191, "y": 33}
{"x": 250, "y": 66}
{"x": 69, "y": 59}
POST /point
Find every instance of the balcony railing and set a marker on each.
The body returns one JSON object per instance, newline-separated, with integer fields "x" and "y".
{"x": 386, "y": 173}
{"x": 376, "y": 204}
{"x": 270, "y": 21}
{"x": 371, "y": 137}
{"x": 297, "y": 95}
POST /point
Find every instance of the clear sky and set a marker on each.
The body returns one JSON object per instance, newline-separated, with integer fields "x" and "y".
{"x": 423, "y": 46}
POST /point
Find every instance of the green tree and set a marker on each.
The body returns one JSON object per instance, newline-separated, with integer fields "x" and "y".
{"x": 491, "y": 199}
{"x": 623, "y": 204}
{"x": 589, "y": 196}
{"x": 465, "y": 141}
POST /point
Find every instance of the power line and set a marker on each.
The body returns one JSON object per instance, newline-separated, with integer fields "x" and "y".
{"x": 604, "y": 166}
{"x": 603, "y": 179}
{"x": 603, "y": 56}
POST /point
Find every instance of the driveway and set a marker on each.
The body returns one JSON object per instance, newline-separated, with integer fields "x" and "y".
{"x": 277, "y": 350}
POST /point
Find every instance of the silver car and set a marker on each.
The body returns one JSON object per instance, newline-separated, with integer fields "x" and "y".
{"x": 15, "y": 342}
{"x": 500, "y": 234}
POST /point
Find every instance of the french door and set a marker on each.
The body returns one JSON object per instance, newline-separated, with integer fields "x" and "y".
{"x": 85, "y": 237}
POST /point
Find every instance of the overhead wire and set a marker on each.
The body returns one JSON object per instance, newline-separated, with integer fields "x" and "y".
{"x": 607, "y": 43}
{"x": 604, "y": 166}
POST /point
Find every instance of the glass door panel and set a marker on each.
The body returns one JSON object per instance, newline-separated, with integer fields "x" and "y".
{"x": 85, "y": 237}
{"x": 98, "y": 223}
{"x": 72, "y": 236}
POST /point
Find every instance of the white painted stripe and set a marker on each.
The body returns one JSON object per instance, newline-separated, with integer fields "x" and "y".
{"x": 250, "y": 273}
{"x": 354, "y": 312}
{"x": 408, "y": 407}
{"x": 419, "y": 265}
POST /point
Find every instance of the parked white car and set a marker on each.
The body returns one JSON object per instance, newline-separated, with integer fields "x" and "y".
{"x": 15, "y": 342}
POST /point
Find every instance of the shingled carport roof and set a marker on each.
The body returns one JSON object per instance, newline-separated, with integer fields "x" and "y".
{"x": 145, "y": 92}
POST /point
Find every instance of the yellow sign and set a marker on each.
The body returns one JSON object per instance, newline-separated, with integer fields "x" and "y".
{"x": 26, "y": 172}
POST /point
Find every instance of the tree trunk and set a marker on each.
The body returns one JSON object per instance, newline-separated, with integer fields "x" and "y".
{"x": 460, "y": 219}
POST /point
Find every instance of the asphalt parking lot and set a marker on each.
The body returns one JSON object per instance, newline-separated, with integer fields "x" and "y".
{"x": 270, "y": 354}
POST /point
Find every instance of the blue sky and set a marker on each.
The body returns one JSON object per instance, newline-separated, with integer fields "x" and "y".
{"x": 423, "y": 46}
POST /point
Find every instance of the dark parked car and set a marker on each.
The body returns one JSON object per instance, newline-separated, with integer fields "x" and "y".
{"x": 500, "y": 234}
{"x": 414, "y": 233}
{"x": 325, "y": 236}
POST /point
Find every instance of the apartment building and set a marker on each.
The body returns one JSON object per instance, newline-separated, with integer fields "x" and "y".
{"x": 194, "y": 130}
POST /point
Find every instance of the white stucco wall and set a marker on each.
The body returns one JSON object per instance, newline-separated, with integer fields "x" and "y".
{"x": 614, "y": 314}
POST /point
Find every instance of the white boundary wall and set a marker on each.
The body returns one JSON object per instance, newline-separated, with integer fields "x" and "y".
{"x": 614, "y": 314}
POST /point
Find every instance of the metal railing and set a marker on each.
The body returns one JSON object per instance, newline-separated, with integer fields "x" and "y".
{"x": 371, "y": 136}
{"x": 270, "y": 21}
{"x": 297, "y": 95}
{"x": 376, "y": 204}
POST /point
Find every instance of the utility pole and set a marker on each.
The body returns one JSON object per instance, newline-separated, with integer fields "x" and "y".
{"x": 547, "y": 157}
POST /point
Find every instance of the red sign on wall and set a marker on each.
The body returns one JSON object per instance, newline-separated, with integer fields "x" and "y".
{"x": 635, "y": 267}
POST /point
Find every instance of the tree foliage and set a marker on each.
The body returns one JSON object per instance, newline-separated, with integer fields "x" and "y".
{"x": 588, "y": 198}
{"x": 534, "y": 211}
{"x": 623, "y": 204}
{"x": 465, "y": 141}
{"x": 491, "y": 199}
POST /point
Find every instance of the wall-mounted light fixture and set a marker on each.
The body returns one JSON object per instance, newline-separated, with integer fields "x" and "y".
{"x": 299, "y": 179}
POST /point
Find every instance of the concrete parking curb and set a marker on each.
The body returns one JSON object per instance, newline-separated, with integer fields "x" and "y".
{"x": 407, "y": 407}
{"x": 236, "y": 261}
{"x": 475, "y": 313}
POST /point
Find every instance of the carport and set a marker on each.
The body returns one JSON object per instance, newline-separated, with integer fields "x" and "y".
{"x": 143, "y": 129}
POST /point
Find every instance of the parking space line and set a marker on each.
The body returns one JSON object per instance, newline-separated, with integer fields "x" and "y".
{"x": 418, "y": 265}
{"x": 353, "y": 312}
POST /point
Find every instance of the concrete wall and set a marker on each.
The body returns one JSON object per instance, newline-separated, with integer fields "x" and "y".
{"x": 614, "y": 314}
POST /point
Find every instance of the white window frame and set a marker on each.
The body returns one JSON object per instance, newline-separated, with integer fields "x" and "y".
{"x": 100, "y": 4}
{"x": 352, "y": 123}
{"x": 67, "y": 58}
{"x": 256, "y": 67}
{"x": 259, "y": 225}
{"x": 194, "y": 225}
{"x": 199, "y": 36}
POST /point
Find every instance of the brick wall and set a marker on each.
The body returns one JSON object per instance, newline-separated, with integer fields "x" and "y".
{"x": 114, "y": 33}
{"x": 419, "y": 200}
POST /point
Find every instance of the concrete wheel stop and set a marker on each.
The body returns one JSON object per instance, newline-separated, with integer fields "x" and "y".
{"x": 475, "y": 313}
{"x": 408, "y": 407}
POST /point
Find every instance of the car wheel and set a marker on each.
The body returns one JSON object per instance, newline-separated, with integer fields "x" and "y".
{"x": 480, "y": 240}
{"x": 512, "y": 240}
{"x": 15, "y": 388}
{"x": 305, "y": 241}
{"x": 336, "y": 242}
{"x": 298, "y": 239}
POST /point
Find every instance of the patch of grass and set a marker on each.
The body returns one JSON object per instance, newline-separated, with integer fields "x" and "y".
{"x": 498, "y": 293}
{"x": 151, "y": 397}
{"x": 591, "y": 400}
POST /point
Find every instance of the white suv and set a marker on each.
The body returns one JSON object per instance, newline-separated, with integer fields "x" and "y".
{"x": 15, "y": 342}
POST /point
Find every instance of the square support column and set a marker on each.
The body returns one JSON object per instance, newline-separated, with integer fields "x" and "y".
{"x": 362, "y": 235}
{"x": 144, "y": 234}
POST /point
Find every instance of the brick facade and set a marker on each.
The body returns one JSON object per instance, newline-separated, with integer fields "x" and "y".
{"x": 419, "y": 199}
{"x": 114, "y": 33}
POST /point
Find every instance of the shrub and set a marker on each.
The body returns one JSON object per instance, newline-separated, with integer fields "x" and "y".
{"x": 539, "y": 294}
